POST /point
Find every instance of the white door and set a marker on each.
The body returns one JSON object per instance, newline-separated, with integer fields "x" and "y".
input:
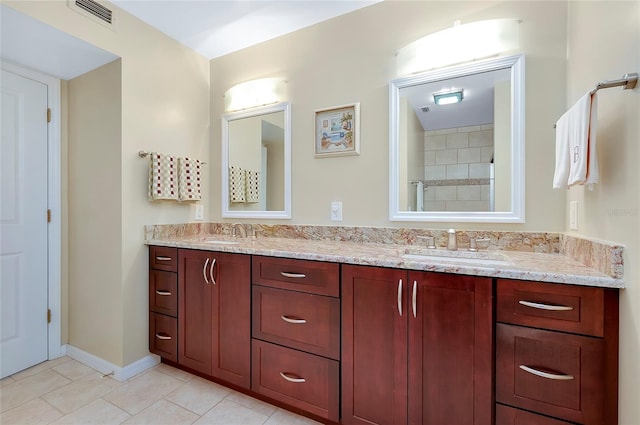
{"x": 23, "y": 221}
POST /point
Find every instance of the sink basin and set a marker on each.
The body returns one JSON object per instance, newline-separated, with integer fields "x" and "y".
{"x": 460, "y": 257}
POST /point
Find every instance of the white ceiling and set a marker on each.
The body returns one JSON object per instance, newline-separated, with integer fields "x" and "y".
{"x": 215, "y": 28}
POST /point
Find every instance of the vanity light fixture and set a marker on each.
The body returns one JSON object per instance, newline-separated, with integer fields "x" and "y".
{"x": 461, "y": 43}
{"x": 264, "y": 91}
{"x": 448, "y": 98}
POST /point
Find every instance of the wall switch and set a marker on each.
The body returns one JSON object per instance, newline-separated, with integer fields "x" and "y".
{"x": 198, "y": 212}
{"x": 336, "y": 211}
{"x": 573, "y": 215}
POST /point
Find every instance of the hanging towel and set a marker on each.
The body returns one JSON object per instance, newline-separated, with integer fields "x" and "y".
{"x": 576, "y": 159}
{"x": 163, "y": 178}
{"x": 236, "y": 185}
{"x": 252, "y": 180}
{"x": 189, "y": 180}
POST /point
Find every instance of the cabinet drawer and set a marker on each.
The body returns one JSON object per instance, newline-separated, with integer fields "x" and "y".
{"x": 299, "y": 379}
{"x": 163, "y": 336}
{"x": 314, "y": 277}
{"x": 163, "y": 258}
{"x": 556, "y": 374}
{"x": 163, "y": 292}
{"x": 298, "y": 320}
{"x": 569, "y": 308}
{"x": 506, "y": 415}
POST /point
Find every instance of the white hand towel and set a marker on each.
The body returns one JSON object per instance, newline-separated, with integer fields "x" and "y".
{"x": 252, "y": 180}
{"x": 163, "y": 177}
{"x": 576, "y": 159}
{"x": 189, "y": 180}
{"x": 236, "y": 184}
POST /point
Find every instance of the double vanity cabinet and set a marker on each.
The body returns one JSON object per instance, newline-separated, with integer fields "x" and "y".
{"x": 358, "y": 344}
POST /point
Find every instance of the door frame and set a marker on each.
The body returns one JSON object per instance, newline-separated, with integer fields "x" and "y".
{"x": 54, "y": 229}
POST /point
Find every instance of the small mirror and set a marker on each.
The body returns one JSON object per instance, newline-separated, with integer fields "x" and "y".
{"x": 256, "y": 162}
{"x": 457, "y": 143}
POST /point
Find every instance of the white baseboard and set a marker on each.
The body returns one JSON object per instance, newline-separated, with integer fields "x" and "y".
{"x": 107, "y": 368}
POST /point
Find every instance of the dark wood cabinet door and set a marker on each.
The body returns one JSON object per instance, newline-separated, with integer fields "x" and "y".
{"x": 450, "y": 349}
{"x": 231, "y": 315}
{"x": 374, "y": 345}
{"x": 195, "y": 329}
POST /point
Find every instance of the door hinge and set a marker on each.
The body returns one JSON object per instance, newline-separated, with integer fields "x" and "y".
{"x": 48, "y": 216}
{"x": 48, "y": 315}
{"x": 48, "y": 114}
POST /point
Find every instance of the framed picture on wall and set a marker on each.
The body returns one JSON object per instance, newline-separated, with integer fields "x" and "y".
{"x": 337, "y": 131}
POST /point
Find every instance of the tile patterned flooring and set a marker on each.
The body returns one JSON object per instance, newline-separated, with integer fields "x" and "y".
{"x": 66, "y": 392}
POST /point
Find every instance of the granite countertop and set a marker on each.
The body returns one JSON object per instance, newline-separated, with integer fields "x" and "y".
{"x": 543, "y": 267}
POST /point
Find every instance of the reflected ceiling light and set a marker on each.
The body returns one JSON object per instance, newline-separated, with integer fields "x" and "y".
{"x": 448, "y": 98}
{"x": 250, "y": 94}
{"x": 461, "y": 43}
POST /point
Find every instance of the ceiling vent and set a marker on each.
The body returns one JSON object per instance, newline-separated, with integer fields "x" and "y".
{"x": 94, "y": 10}
{"x": 425, "y": 109}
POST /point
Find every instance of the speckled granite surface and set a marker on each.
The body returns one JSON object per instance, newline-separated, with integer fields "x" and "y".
{"x": 539, "y": 256}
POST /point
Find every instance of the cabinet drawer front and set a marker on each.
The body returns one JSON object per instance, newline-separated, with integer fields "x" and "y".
{"x": 314, "y": 277}
{"x": 298, "y": 320}
{"x": 550, "y": 372}
{"x": 299, "y": 379}
{"x": 569, "y": 308}
{"x": 163, "y": 336}
{"x": 506, "y": 415}
{"x": 163, "y": 292}
{"x": 163, "y": 258}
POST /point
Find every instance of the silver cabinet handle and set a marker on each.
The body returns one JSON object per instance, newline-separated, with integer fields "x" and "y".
{"x": 163, "y": 337}
{"x": 163, "y": 293}
{"x": 414, "y": 297}
{"x": 549, "y": 307}
{"x": 213, "y": 264}
{"x": 290, "y": 379}
{"x": 204, "y": 271}
{"x": 294, "y": 321}
{"x": 546, "y": 375}
{"x": 400, "y": 297}
{"x": 164, "y": 258}
{"x": 293, "y": 275}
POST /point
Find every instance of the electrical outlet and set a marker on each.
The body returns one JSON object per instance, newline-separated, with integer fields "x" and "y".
{"x": 573, "y": 215}
{"x": 198, "y": 213}
{"x": 336, "y": 211}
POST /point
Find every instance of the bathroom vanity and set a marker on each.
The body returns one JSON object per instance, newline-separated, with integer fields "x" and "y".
{"x": 368, "y": 334}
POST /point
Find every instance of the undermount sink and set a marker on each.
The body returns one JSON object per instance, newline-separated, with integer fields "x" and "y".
{"x": 220, "y": 241}
{"x": 464, "y": 257}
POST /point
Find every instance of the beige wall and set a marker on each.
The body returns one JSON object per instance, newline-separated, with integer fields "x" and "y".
{"x": 604, "y": 44}
{"x": 165, "y": 107}
{"x": 352, "y": 59}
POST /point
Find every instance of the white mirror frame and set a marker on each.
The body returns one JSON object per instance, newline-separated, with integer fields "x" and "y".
{"x": 263, "y": 110}
{"x": 516, "y": 215}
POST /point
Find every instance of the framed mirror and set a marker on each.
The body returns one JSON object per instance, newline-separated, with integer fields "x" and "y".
{"x": 457, "y": 143}
{"x": 256, "y": 162}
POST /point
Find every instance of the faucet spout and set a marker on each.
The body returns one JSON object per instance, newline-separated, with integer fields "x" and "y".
{"x": 452, "y": 245}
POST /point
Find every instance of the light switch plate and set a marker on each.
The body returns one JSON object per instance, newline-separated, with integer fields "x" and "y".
{"x": 573, "y": 215}
{"x": 198, "y": 213}
{"x": 336, "y": 211}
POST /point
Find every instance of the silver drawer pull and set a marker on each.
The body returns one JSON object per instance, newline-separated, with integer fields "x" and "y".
{"x": 549, "y": 307}
{"x": 294, "y": 321}
{"x": 213, "y": 264}
{"x": 204, "y": 271}
{"x": 546, "y": 375}
{"x": 164, "y": 258}
{"x": 163, "y": 293}
{"x": 290, "y": 379}
{"x": 400, "y": 297}
{"x": 293, "y": 275}
{"x": 163, "y": 337}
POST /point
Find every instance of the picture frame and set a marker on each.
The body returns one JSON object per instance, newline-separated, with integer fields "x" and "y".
{"x": 337, "y": 131}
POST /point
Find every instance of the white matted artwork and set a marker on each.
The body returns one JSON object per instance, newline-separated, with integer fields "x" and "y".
{"x": 337, "y": 131}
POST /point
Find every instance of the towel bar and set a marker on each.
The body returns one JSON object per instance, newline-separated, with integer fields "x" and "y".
{"x": 143, "y": 154}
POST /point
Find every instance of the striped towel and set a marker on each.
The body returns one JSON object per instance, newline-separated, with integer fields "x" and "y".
{"x": 252, "y": 181}
{"x": 163, "y": 177}
{"x": 236, "y": 184}
{"x": 189, "y": 180}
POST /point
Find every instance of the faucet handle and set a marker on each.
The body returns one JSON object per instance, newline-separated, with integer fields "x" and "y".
{"x": 473, "y": 247}
{"x": 431, "y": 241}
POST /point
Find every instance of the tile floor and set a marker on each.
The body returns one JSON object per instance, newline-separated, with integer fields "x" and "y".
{"x": 66, "y": 392}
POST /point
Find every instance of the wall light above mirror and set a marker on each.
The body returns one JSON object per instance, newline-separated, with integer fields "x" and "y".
{"x": 461, "y": 162}
{"x": 256, "y": 162}
{"x": 250, "y": 94}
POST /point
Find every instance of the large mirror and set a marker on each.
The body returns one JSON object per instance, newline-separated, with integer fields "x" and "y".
{"x": 256, "y": 162}
{"x": 457, "y": 143}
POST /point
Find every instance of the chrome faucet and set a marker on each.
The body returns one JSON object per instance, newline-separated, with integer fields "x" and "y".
{"x": 452, "y": 245}
{"x": 243, "y": 230}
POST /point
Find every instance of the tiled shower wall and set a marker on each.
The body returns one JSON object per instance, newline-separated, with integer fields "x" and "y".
{"x": 457, "y": 163}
